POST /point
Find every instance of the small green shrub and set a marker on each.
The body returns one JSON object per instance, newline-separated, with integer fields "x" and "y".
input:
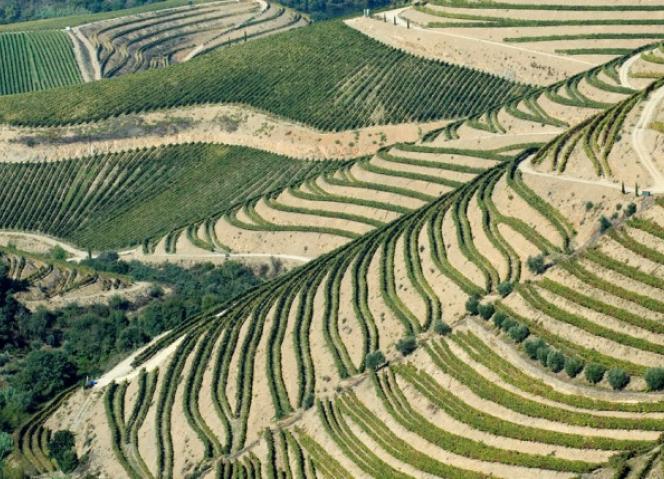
{"x": 655, "y": 379}
{"x": 589, "y": 205}
{"x": 498, "y": 319}
{"x": 505, "y": 288}
{"x": 308, "y": 400}
{"x": 57, "y": 252}
{"x": 519, "y": 333}
{"x": 532, "y": 346}
{"x": 536, "y": 264}
{"x": 407, "y": 345}
{"x": 442, "y": 328}
{"x": 594, "y": 373}
{"x": 156, "y": 291}
{"x": 555, "y": 361}
{"x": 604, "y": 224}
{"x": 472, "y": 305}
{"x": 68, "y": 461}
{"x": 619, "y": 464}
{"x": 630, "y": 210}
{"x": 573, "y": 366}
{"x": 543, "y": 355}
{"x": 374, "y": 360}
{"x": 618, "y": 378}
{"x": 119, "y": 303}
{"x": 508, "y": 323}
{"x": 486, "y": 311}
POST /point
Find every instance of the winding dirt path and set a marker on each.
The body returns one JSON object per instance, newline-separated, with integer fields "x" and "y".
{"x": 125, "y": 371}
{"x": 526, "y": 167}
{"x": 219, "y": 124}
{"x": 45, "y": 241}
{"x": 221, "y": 255}
{"x": 624, "y": 70}
{"x": 79, "y": 39}
{"x": 638, "y": 139}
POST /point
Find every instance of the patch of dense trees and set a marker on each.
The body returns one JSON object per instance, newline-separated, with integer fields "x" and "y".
{"x": 22, "y": 10}
{"x": 323, "y": 9}
{"x": 45, "y": 351}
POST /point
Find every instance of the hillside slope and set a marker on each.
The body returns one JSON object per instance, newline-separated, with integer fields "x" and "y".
{"x": 277, "y": 382}
{"x": 130, "y": 44}
{"x": 273, "y": 74}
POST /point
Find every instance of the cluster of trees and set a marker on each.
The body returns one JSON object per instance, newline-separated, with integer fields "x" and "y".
{"x": 22, "y": 10}
{"x": 322, "y": 9}
{"x": 45, "y": 351}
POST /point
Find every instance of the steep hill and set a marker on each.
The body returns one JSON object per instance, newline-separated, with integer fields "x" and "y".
{"x": 484, "y": 301}
{"x": 280, "y": 381}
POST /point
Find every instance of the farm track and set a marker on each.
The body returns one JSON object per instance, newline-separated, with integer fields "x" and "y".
{"x": 81, "y": 40}
{"x": 219, "y": 124}
{"x": 649, "y": 113}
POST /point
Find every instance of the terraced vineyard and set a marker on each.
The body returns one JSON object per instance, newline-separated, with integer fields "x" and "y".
{"x": 530, "y": 42}
{"x": 136, "y": 43}
{"x": 273, "y": 73}
{"x": 550, "y": 281}
{"x": 48, "y": 278}
{"x": 124, "y": 199}
{"x": 36, "y": 61}
{"x": 484, "y": 302}
{"x": 586, "y": 29}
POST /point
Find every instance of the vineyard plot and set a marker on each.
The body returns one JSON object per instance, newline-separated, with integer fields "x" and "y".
{"x": 32, "y": 61}
{"x": 357, "y": 82}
